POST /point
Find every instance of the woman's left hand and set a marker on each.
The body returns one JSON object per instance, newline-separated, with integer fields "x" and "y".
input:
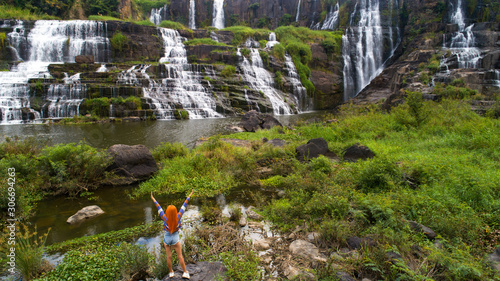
{"x": 152, "y": 198}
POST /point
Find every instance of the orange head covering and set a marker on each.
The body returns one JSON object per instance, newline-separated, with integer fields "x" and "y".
{"x": 172, "y": 218}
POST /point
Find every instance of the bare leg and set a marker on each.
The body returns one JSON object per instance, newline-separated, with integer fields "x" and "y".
{"x": 178, "y": 250}
{"x": 169, "y": 256}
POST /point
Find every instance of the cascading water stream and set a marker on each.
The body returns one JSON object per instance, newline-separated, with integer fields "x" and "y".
{"x": 497, "y": 78}
{"x": 260, "y": 80}
{"x": 362, "y": 49}
{"x": 64, "y": 100}
{"x": 218, "y": 14}
{"x": 48, "y": 42}
{"x": 297, "y": 16}
{"x": 332, "y": 18}
{"x": 192, "y": 14}
{"x": 158, "y": 15}
{"x": 463, "y": 42}
{"x": 181, "y": 85}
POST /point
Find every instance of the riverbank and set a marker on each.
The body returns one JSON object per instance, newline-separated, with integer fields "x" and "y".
{"x": 423, "y": 205}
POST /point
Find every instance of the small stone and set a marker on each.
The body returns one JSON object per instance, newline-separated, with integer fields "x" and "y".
{"x": 263, "y": 244}
{"x": 342, "y": 276}
{"x": 306, "y": 250}
{"x": 252, "y": 214}
{"x": 429, "y": 233}
{"x": 243, "y": 221}
{"x": 312, "y": 237}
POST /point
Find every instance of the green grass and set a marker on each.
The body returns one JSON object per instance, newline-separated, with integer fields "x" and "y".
{"x": 174, "y": 25}
{"x": 12, "y": 12}
{"x": 241, "y": 33}
{"x": 103, "y": 18}
{"x": 203, "y": 41}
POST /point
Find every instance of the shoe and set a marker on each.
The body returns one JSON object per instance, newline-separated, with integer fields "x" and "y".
{"x": 186, "y": 275}
{"x": 171, "y": 274}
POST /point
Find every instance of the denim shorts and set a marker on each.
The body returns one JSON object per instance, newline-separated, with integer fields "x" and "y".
{"x": 171, "y": 239}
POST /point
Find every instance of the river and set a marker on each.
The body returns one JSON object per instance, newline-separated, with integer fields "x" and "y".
{"x": 120, "y": 211}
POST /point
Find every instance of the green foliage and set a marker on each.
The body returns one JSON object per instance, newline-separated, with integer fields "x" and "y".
{"x": 3, "y": 39}
{"x": 24, "y": 12}
{"x": 265, "y": 58}
{"x": 203, "y": 41}
{"x": 118, "y": 41}
{"x": 228, "y": 71}
{"x": 331, "y": 46}
{"x": 245, "y": 52}
{"x": 145, "y": 6}
{"x": 97, "y": 106}
{"x": 254, "y": 6}
{"x": 286, "y": 19}
{"x": 168, "y": 150}
{"x": 264, "y": 22}
{"x": 278, "y": 80}
{"x": 145, "y": 22}
{"x": 29, "y": 253}
{"x": 415, "y": 102}
{"x": 134, "y": 261}
{"x": 453, "y": 92}
{"x": 103, "y": 18}
{"x": 424, "y": 78}
{"x": 278, "y": 52}
{"x": 241, "y": 33}
{"x": 241, "y": 266}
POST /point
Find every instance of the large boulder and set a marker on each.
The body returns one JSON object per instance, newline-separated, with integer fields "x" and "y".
{"x": 359, "y": 243}
{"x": 85, "y": 213}
{"x": 132, "y": 162}
{"x": 313, "y": 149}
{"x": 253, "y": 121}
{"x": 357, "y": 152}
{"x": 84, "y": 59}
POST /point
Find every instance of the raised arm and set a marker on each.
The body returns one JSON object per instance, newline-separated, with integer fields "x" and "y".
{"x": 184, "y": 206}
{"x": 160, "y": 210}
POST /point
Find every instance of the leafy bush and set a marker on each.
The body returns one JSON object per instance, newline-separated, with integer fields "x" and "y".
{"x": 97, "y": 106}
{"x": 168, "y": 150}
{"x": 278, "y": 52}
{"x": 228, "y": 71}
{"x": 241, "y": 33}
{"x": 118, "y": 41}
{"x": 278, "y": 80}
{"x": 134, "y": 261}
{"x": 453, "y": 92}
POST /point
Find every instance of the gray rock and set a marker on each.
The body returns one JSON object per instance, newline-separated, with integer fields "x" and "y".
{"x": 252, "y": 214}
{"x": 135, "y": 162}
{"x": 306, "y": 250}
{"x": 85, "y": 213}
{"x": 357, "y": 152}
{"x": 342, "y": 276}
{"x": 358, "y": 243}
{"x": 200, "y": 271}
{"x": 312, "y": 236}
{"x": 253, "y": 121}
{"x": 429, "y": 233}
{"x": 494, "y": 260}
{"x": 393, "y": 257}
{"x": 313, "y": 149}
{"x": 292, "y": 272}
{"x": 277, "y": 142}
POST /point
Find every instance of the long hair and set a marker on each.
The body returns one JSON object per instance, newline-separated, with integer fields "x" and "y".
{"x": 172, "y": 218}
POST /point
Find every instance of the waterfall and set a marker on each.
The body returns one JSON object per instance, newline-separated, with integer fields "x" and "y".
{"x": 272, "y": 40}
{"x": 362, "y": 49}
{"x": 63, "y": 100}
{"x": 181, "y": 84}
{"x": 158, "y": 15}
{"x": 463, "y": 42}
{"x": 48, "y": 42}
{"x": 260, "y": 80}
{"x": 304, "y": 102}
{"x": 298, "y": 12}
{"x": 102, "y": 68}
{"x": 192, "y": 14}
{"x": 332, "y": 18}
{"x": 218, "y": 14}
{"x": 497, "y": 78}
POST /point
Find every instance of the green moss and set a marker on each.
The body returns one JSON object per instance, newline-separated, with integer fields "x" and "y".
{"x": 203, "y": 41}
{"x": 228, "y": 71}
{"x": 118, "y": 42}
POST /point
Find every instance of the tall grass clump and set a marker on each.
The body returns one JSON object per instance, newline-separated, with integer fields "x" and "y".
{"x": 173, "y": 25}
{"x": 241, "y": 33}
{"x": 13, "y": 12}
{"x": 29, "y": 254}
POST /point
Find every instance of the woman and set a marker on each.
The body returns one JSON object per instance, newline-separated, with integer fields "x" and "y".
{"x": 172, "y": 224}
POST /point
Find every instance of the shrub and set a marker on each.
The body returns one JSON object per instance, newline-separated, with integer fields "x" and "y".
{"x": 168, "y": 150}
{"x": 265, "y": 58}
{"x": 203, "y": 41}
{"x": 331, "y": 46}
{"x": 118, "y": 41}
{"x": 228, "y": 71}
{"x": 278, "y": 80}
{"x": 415, "y": 102}
{"x": 134, "y": 261}
{"x": 278, "y": 52}
{"x": 211, "y": 214}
